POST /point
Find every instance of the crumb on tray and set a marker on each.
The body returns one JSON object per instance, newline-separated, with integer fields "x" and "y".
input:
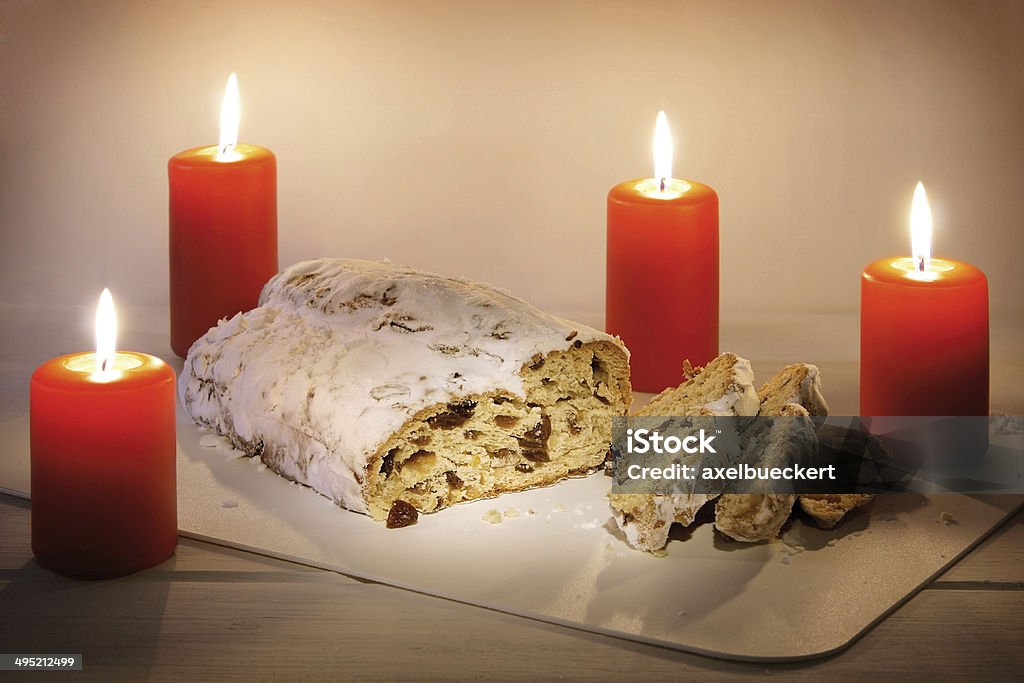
{"x": 492, "y": 516}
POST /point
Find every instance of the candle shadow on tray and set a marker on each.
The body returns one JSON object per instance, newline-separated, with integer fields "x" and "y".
{"x": 646, "y": 582}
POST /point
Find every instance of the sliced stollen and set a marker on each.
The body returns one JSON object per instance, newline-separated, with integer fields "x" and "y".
{"x": 783, "y": 442}
{"x": 386, "y": 388}
{"x": 724, "y": 387}
{"x": 645, "y": 519}
{"x": 753, "y": 514}
{"x": 828, "y": 509}
{"x": 800, "y": 383}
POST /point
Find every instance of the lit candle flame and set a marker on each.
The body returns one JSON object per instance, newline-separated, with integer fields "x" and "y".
{"x": 662, "y": 152}
{"x": 106, "y": 335}
{"x": 229, "y": 115}
{"x": 921, "y": 229}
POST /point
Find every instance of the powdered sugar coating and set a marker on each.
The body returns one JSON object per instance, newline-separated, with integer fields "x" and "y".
{"x": 741, "y": 397}
{"x": 810, "y": 391}
{"x": 340, "y": 354}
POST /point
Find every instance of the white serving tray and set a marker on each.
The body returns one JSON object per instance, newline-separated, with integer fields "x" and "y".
{"x": 567, "y": 564}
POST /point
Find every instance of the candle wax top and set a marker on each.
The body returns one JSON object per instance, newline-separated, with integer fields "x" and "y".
{"x": 648, "y": 191}
{"x": 210, "y": 155}
{"x": 652, "y": 188}
{"x": 77, "y": 372}
{"x": 938, "y": 273}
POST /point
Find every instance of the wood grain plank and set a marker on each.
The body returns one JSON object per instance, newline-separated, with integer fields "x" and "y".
{"x": 999, "y": 559}
{"x": 15, "y": 542}
{"x": 192, "y": 556}
{"x": 231, "y": 631}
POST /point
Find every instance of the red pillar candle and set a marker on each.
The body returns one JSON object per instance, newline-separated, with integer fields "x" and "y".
{"x": 223, "y": 229}
{"x": 661, "y": 292}
{"x": 103, "y": 462}
{"x": 924, "y": 347}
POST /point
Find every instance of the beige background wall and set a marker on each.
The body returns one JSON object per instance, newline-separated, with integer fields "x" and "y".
{"x": 480, "y": 138}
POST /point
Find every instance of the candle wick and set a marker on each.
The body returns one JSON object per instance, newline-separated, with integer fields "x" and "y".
{"x": 920, "y": 263}
{"x": 226, "y": 148}
{"x": 662, "y": 184}
{"x": 103, "y": 365}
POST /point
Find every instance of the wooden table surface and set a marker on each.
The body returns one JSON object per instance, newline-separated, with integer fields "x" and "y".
{"x": 214, "y": 613}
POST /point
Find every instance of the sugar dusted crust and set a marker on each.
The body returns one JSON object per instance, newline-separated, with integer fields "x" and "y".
{"x": 374, "y": 383}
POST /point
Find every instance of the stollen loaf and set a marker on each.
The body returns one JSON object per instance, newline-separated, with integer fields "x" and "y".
{"x": 390, "y": 390}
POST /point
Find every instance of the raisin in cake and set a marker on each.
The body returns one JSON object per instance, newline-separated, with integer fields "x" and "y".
{"x": 386, "y": 388}
{"x": 724, "y": 387}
